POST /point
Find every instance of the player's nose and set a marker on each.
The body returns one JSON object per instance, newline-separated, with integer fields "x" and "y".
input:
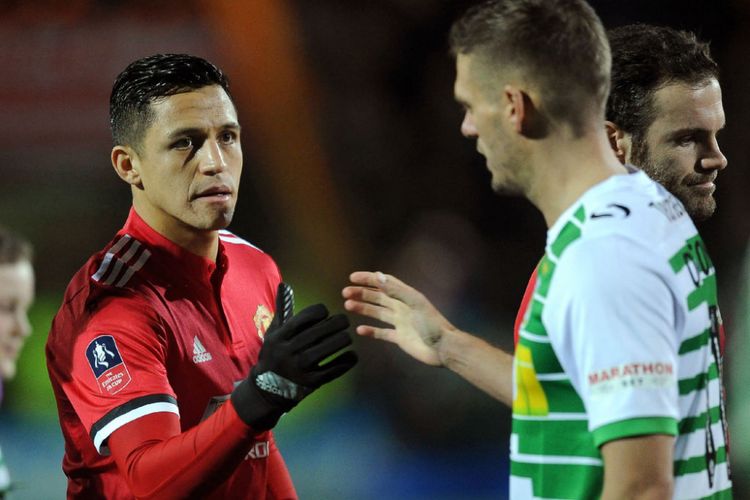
{"x": 715, "y": 159}
{"x": 213, "y": 161}
{"x": 468, "y": 129}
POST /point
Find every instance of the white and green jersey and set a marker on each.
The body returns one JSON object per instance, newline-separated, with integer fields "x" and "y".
{"x": 620, "y": 340}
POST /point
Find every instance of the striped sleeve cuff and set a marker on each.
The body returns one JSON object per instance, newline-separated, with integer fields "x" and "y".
{"x": 128, "y": 412}
{"x": 634, "y": 427}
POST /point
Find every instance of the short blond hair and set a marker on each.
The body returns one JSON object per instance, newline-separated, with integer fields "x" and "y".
{"x": 560, "y": 45}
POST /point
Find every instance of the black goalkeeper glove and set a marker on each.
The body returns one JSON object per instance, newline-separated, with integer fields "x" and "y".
{"x": 288, "y": 367}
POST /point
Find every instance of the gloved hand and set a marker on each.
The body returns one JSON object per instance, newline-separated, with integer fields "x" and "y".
{"x": 288, "y": 367}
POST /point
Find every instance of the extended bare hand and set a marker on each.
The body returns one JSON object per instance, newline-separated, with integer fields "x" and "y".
{"x": 416, "y": 326}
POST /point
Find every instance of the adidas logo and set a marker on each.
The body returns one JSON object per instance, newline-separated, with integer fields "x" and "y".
{"x": 200, "y": 354}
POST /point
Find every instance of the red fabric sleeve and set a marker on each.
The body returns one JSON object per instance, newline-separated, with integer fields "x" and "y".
{"x": 158, "y": 461}
{"x": 280, "y": 486}
{"x": 525, "y": 302}
{"x": 134, "y": 338}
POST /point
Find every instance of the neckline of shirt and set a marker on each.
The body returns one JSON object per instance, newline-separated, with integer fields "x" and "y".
{"x": 181, "y": 263}
{"x": 610, "y": 183}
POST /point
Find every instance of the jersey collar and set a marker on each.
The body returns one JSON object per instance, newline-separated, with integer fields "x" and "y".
{"x": 184, "y": 264}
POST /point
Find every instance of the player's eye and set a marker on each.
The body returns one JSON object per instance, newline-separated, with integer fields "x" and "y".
{"x": 183, "y": 143}
{"x": 685, "y": 140}
{"x": 228, "y": 137}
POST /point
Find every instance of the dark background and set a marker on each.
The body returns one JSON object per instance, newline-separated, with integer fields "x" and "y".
{"x": 353, "y": 160}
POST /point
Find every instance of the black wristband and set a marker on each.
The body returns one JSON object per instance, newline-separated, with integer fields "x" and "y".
{"x": 254, "y": 409}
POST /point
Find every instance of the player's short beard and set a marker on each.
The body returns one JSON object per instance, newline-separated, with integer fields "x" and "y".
{"x": 514, "y": 172}
{"x": 666, "y": 173}
{"x": 639, "y": 152}
{"x": 507, "y": 188}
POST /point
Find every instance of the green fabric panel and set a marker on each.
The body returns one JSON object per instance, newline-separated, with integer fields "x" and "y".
{"x": 570, "y": 232}
{"x": 555, "y": 437}
{"x": 677, "y": 261}
{"x": 534, "y": 323}
{"x": 579, "y": 482}
{"x": 692, "y": 424}
{"x": 545, "y": 270}
{"x": 634, "y": 427}
{"x": 695, "y": 343}
{"x": 580, "y": 214}
{"x": 562, "y": 397}
{"x": 688, "y": 385}
{"x": 545, "y": 359}
{"x": 706, "y": 292}
{"x": 697, "y": 464}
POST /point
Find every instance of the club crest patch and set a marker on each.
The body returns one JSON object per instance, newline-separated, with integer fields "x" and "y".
{"x": 262, "y": 319}
{"x": 109, "y": 369}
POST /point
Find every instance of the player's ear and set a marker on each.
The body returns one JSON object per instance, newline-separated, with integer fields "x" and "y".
{"x": 619, "y": 141}
{"x": 125, "y": 162}
{"x": 523, "y": 113}
{"x": 515, "y": 107}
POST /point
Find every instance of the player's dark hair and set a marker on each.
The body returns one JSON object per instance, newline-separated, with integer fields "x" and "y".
{"x": 561, "y": 45}
{"x": 646, "y": 58}
{"x": 149, "y": 79}
{"x": 14, "y": 248}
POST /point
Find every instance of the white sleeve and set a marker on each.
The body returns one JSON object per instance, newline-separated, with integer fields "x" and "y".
{"x": 610, "y": 316}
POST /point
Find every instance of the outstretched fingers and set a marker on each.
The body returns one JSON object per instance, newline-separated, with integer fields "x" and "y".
{"x": 366, "y": 278}
{"x": 369, "y": 301}
{"x": 388, "y": 284}
{"x": 409, "y": 316}
{"x": 373, "y": 311}
{"x": 388, "y": 334}
{"x": 369, "y": 295}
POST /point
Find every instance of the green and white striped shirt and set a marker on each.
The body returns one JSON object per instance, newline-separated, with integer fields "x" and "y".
{"x": 620, "y": 340}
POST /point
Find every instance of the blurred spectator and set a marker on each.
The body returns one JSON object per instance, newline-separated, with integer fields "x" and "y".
{"x": 740, "y": 378}
{"x": 16, "y": 296}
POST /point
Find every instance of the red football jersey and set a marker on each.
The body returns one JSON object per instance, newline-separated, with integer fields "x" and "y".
{"x": 148, "y": 327}
{"x": 525, "y": 301}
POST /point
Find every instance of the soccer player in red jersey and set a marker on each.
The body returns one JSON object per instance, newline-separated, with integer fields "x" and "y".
{"x": 176, "y": 350}
{"x": 663, "y": 115}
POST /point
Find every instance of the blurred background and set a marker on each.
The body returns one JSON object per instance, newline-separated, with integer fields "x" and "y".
{"x": 353, "y": 160}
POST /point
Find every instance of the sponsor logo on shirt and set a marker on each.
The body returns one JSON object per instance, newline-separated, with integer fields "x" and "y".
{"x": 259, "y": 450}
{"x": 108, "y": 366}
{"x": 669, "y": 207}
{"x": 612, "y": 210}
{"x": 631, "y": 375}
{"x": 200, "y": 354}
{"x": 262, "y": 319}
